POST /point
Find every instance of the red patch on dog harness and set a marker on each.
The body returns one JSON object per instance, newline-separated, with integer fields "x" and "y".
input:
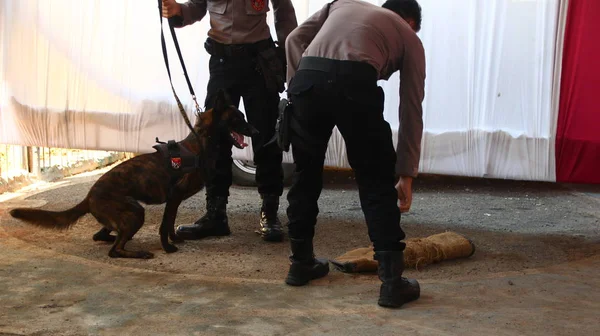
{"x": 176, "y": 163}
{"x": 258, "y": 5}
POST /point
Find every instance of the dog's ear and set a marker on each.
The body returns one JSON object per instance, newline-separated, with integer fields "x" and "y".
{"x": 220, "y": 104}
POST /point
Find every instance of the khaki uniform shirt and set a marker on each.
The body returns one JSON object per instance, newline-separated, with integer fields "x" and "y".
{"x": 359, "y": 31}
{"x": 241, "y": 21}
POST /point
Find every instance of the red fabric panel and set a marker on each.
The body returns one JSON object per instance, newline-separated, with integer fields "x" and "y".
{"x": 578, "y": 128}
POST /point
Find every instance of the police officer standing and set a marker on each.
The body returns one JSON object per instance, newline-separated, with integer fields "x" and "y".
{"x": 246, "y": 63}
{"x": 335, "y": 59}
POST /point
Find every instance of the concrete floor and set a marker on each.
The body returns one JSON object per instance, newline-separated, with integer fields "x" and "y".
{"x": 536, "y": 270}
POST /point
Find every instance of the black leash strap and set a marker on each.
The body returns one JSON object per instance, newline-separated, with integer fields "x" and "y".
{"x": 164, "y": 50}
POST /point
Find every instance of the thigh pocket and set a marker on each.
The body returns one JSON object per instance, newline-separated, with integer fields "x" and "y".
{"x": 300, "y": 85}
{"x": 217, "y": 66}
{"x": 372, "y": 98}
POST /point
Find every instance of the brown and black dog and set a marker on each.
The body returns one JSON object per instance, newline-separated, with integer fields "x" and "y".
{"x": 114, "y": 199}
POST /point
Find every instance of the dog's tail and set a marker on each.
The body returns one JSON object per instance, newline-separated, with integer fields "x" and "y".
{"x": 52, "y": 219}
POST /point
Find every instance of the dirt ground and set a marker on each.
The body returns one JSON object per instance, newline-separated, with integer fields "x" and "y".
{"x": 535, "y": 270}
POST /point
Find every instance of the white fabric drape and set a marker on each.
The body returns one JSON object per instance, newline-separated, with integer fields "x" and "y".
{"x": 90, "y": 74}
{"x": 488, "y": 105}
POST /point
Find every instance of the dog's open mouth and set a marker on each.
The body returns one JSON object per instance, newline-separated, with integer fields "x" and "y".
{"x": 238, "y": 140}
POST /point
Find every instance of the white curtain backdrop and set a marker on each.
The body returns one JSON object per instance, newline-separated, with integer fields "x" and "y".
{"x": 89, "y": 74}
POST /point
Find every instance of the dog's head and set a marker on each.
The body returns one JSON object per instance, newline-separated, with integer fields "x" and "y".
{"x": 225, "y": 119}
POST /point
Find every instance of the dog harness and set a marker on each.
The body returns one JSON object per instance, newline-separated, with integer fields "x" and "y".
{"x": 178, "y": 159}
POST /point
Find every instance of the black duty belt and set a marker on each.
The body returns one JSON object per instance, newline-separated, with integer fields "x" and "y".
{"x": 354, "y": 69}
{"x": 218, "y": 49}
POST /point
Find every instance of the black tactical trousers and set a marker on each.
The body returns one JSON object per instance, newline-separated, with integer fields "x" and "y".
{"x": 352, "y": 101}
{"x": 238, "y": 75}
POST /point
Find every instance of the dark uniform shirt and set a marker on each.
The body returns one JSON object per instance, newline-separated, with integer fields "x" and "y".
{"x": 241, "y": 21}
{"x": 360, "y": 31}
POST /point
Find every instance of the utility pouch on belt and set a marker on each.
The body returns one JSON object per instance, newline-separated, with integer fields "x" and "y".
{"x": 269, "y": 61}
{"x": 282, "y": 127}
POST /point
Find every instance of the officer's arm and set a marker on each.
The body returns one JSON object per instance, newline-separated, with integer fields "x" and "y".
{"x": 285, "y": 19}
{"x": 299, "y": 39}
{"x": 191, "y": 11}
{"x": 412, "y": 92}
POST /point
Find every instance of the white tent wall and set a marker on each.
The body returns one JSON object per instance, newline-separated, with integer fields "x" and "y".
{"x": 89, "y": 74}
{"x": 488, "y": 97}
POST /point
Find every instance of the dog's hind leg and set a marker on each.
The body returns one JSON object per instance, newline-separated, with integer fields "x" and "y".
{"x": 104, "y": 235}
{"x": 167, "y": 226}
{"x": 128, "y": 220}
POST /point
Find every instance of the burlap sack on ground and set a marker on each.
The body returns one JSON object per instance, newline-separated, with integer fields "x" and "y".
{"x": 419, "y": 252}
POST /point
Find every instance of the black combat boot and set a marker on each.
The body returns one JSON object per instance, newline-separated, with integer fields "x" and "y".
{"x": 305, "y": 266}
{"x": 213, "y": 223}
{"x": 395, "y": 290}
{"x": 270, "y": 226}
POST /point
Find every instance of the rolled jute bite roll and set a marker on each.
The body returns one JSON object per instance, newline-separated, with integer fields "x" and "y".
{"x": 419, "y": 252}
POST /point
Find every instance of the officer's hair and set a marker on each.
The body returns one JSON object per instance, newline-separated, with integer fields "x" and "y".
{"x": 407, "y": 9}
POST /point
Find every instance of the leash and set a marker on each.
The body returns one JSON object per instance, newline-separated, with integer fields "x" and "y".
{"x": 166, "y": 58}
{"x": 179, "y": 159}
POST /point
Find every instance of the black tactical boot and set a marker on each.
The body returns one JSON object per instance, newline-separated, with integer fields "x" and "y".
{"x": 213, "y": 223}
{"x": 270, "y": 226}
{"x": 395, "y": 290}
{"x": 304, "y": 266}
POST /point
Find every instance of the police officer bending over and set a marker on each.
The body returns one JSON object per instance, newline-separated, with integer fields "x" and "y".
{"x": 245, "y": 63}
{"x": 335, "y": 59}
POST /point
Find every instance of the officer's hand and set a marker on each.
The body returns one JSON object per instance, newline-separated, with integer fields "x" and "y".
{"x": 170, "y": 8}
{"x": 404, "y": 188}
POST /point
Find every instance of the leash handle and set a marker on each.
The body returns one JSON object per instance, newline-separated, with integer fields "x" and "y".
{"x": 166, "y": 58}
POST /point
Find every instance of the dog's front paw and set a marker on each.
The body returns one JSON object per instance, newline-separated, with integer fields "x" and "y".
{"x": 171, "y": 248}
{"x": 176, "y": 239}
